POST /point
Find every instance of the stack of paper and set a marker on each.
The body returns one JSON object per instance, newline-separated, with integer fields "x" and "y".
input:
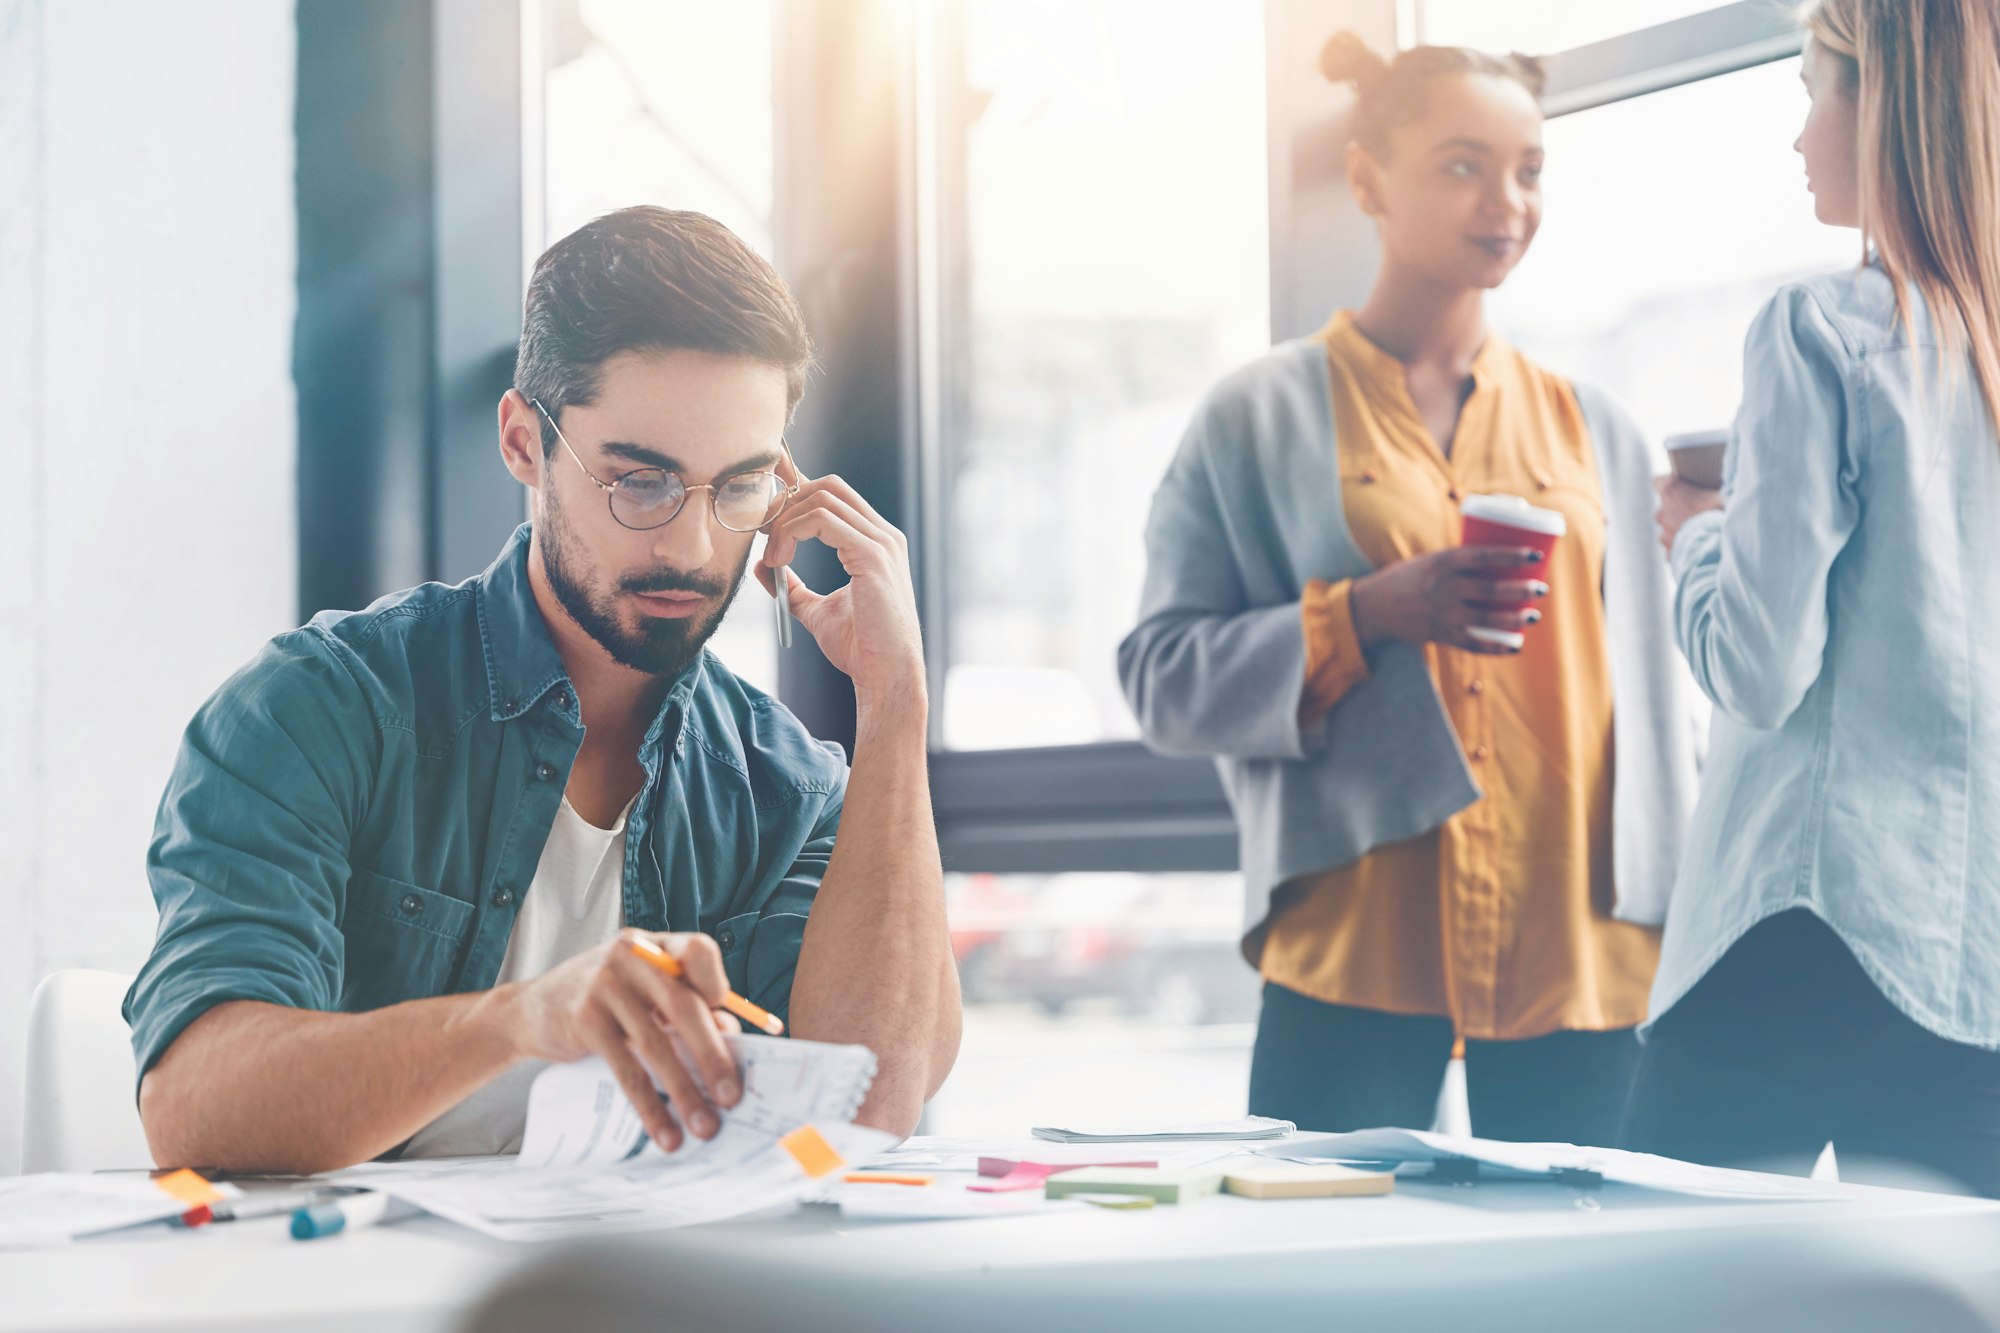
{"x": 1416, "y": 1150}
{"x": 587, "y": 1166}
{"x": 55, "y": 1208}
{"x": 1243, "y": 1129}
{"x": 952, "y": 1153}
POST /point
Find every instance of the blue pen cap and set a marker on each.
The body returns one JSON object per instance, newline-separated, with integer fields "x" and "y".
{"x": 317, "y": 1219}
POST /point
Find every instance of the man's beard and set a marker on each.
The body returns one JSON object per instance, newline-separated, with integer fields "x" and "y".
{"x": 659, "y": 646}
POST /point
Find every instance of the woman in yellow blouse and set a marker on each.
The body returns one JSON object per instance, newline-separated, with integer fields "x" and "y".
{"x": 1428, "y": 835}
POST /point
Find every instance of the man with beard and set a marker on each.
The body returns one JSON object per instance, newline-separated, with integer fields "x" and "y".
{"x": 411, "y": 854}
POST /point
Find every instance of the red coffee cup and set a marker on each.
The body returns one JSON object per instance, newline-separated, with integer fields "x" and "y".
{"x": 1508, "y": 520}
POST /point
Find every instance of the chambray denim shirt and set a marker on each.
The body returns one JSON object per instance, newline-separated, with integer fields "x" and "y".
{"x": 1843, "y": 612}
{"x": 354, "y": 817}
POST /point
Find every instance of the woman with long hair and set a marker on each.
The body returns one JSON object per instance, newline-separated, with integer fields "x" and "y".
{"x": 1459, "y": 773}
{"x": 1832, "y": 960}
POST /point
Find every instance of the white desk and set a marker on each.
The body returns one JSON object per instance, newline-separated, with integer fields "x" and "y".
{"x": 1490, "y": 1256}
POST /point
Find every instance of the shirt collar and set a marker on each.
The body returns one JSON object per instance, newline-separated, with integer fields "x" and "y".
{"x": 1346, "y": 339}
{"x": 522, "y": 663}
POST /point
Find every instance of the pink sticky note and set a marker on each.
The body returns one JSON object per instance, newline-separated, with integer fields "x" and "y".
{"x": 1001, "y": 1175}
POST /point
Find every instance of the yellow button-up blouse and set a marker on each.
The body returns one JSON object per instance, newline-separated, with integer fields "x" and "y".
{"x": 1499, "y": 919}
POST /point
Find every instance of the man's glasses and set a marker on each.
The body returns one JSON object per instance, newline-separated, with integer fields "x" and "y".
{"x": 652, "y": 497}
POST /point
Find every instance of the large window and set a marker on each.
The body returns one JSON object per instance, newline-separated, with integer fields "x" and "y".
{"x": 1105, "y": 259}
{"x": 664, "y": 102}
{"x": 1667, "y": 221}
{"x": 1101, "y": 996}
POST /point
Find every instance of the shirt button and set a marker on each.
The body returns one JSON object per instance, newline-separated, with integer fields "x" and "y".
{"x": 545, "y": 771}
{"x": 411, "y": 904}
{"x": 1478, "y": 753}
{"x": 562, "y": 700}
{"x": 1476, "y": 687}
{"x": 504, "y": 898}
{"x": 727, "y": 939}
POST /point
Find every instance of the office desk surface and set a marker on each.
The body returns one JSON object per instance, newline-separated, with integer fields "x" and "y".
{"x": 1492, "y": 1255}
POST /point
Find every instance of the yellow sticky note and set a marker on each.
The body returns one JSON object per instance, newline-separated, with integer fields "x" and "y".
{"x": 189, "y": 1187}
{"x": 814, "y": 1154}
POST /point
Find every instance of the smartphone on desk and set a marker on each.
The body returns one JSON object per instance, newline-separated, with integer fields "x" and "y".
{"x": 1696, "y": 457}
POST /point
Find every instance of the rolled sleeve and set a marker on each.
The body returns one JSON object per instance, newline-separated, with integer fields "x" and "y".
{"x": 249, "y": 864}
{"x": 1335, "y": 663}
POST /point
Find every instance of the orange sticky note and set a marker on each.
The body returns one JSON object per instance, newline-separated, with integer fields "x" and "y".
{"x": 814, "y": 1154}
{"x": 189, "y": 1187}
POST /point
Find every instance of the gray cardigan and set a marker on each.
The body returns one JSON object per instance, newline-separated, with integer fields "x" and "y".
{"x": 1249, "y": 511}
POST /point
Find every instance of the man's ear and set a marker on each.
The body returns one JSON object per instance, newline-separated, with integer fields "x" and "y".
{"x": 1364, "y": 179}
{"x": 521, "y": 438}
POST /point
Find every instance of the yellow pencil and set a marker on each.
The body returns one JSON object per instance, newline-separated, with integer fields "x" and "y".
{"x": 761, "y": 1019}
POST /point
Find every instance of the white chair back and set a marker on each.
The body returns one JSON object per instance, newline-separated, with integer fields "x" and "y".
{"x": 81, "y": 1113}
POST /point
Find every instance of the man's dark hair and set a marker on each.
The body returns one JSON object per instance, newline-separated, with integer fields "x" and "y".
{"x": 651, "y": 279}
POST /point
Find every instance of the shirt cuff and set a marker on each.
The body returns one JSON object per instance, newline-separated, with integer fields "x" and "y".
{"x": 1695, "y": 538}
{"x": 1335, "y": 663}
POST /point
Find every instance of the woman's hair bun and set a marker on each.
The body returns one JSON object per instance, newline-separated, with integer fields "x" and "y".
{"x": 1347, "y": 59}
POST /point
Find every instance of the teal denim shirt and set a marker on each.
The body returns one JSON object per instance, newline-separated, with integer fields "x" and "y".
{"x": 354, "y": 817}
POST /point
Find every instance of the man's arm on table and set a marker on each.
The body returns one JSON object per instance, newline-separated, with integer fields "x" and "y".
{"x": 253, "y": 1086}
{"x": 875, "y": 967}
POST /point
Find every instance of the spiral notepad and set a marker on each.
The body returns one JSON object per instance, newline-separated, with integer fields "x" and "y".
{"x": 577, "y": 1113}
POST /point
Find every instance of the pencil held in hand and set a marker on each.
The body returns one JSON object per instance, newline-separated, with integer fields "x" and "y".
{"x": 761, "y": 1019}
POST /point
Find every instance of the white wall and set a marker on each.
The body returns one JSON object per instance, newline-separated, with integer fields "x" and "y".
{"x": 147, "y": 440}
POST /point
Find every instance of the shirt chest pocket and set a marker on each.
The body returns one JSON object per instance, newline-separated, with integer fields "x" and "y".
{"x": 403, "y": 942}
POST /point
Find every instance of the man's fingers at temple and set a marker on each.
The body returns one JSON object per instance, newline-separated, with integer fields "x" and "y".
{"x": 838, "y": 486}
{"x": 608, "y": 1041}
{"x": 856, "y": 552}
{"x": 890, "y": 540}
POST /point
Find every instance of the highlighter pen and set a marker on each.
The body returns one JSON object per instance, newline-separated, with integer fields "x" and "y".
{"x": 262, "y": 1205}
{"x": 330, "y": 1217}
{"x": 761, "y": 1019}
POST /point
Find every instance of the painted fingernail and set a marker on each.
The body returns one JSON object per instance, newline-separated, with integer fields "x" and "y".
{"x": 704, "y": 1124}
{"x": 1534, "y": 617}
{"x": 728, "y": 1091}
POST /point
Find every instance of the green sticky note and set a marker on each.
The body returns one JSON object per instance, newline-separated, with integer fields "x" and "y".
{"x": 1150, "y": 1182}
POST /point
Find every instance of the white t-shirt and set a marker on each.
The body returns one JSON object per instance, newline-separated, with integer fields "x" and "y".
{"x": 574, "y": 902}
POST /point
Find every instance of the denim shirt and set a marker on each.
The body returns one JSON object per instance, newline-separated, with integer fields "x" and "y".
{"x": 354, "y": 818}
{"x": 1843, "y": 612}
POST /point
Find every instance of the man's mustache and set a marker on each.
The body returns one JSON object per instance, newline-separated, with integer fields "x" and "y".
{"x": 673, "y": 580}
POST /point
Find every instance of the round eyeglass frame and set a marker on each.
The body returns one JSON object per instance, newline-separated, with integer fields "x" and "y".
{"x": 610, "y": 488}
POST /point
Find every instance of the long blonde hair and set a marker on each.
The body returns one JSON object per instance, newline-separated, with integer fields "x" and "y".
{"x": 1927, "y": 76}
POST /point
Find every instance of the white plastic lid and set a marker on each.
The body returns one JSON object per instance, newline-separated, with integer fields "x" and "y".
{"x": 1514, "y": 512}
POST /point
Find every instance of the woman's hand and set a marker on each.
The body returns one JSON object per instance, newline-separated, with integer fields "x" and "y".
{"x": 1437, "y": 598}
{"x": 1679, "y": 502}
